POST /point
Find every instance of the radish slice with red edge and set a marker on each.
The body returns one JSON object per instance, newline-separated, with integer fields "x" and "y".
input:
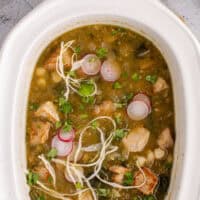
{"x": 63, "y": 148}
{"x": 110, "y": 70}
{"x": 91, "y": 64}
{"x": 143, "y": 97}
{"x": 139, "y": 108}
{"x": 66, "y": 136}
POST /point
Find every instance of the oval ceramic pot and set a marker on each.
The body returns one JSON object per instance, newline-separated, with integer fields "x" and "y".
{"x": 52, "y": 18}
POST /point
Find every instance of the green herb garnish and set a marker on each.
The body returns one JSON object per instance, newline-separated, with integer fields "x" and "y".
{"x": 95, "y": 124}
{"x": 86, "y": 89}
{"x": 136, "y": 77}
{"x": 79, "y": 186}
{"x": 128, "y": 178}
{"x": 67, "y": 126}
{"x": 52, "y": 153}
{"x": 102, "y": 192}
{"x": 88, "y": 100}
{"x": 117, "y": 85}
{"x": 77, "y": 50}
{"x": 64, "y": 106}
{"x": 150, "y": 197}
{"x": 58, "y": 124}
{"x": 118, "y": 118}
{"x": 84, "y": 116}
{"x": 33, "y": 106}
{"x": 151, "y": 78}
{"x": 41, "y": 198}
{"x": 72, "y": 74}
{"x": 32, "y": 178}
{"x": 120, "y": 134}
{"x": 116, "y": 31}
{"x": 102, "y": 52}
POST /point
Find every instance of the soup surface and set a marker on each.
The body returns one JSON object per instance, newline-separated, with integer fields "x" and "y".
{"x": 100, "y": 120}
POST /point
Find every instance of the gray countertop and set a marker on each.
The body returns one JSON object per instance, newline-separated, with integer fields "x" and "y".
{"x": 11, "y": 11}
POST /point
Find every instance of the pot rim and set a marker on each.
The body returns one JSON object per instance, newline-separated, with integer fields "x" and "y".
{"x": 48, "y": 5}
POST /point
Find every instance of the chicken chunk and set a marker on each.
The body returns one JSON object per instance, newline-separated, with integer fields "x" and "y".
{"x": 86, "y": 196}
{"x": 50, "y": 64}
{"x": 165, "y": 139}
{"x": 136, "y": 140}
{"x": 159, "y": 85}
{"x": 151, "y": 181}
{"x": 119, "y": 171}
{"x": 48, "y": 111}
{"x": 39, "y": 133}
{"x": 146, "y": 63}
{"x": 42, "y": 172}
{"x": 107, "y": 107}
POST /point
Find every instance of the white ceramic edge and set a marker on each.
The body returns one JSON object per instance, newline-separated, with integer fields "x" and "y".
{"x": 192, "y": 100}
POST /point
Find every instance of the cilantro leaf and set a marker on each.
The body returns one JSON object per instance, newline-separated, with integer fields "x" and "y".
{"x": 88, "y": 100}
{"x": 128, "y": 178}
{"x": 33, "y": 106}
{"x": 67, "y": 126}
{"x": 32, "y": 178}
{"x": 77, "y": 49}
{"x": 64, "y": 106}
{"x": 52, "y": 153}
{"x": 120, "y": 134}
{"x": 41, "y": 198}
{"x": 103, "y": 192}
{"x": 117, "y": 85}
{"x": 151, "y": 78}
{"x": 86, "y": 89}
{"x": 102, "y": 52}
{"x": 136, "y": 77}
{"x": 79, "y": 186}
{"x": 58, "y": 124}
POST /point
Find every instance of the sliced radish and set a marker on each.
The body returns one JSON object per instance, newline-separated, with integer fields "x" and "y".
{"x": 137, "y": 110}
{"x": 63, "y": 148}
{"x": 91, "y": 64}
{"x": 76, "y": 174}
{"x": 110, "y": 70}
{"x": 143, "y": 97}
{"x": 66, "y": 136}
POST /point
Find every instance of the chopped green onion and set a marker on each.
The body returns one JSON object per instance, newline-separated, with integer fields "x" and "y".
{"x": 52, "y": 153}
{"x": 88, "y": 100}
{"x": 41, "y": 198}
{"x": 120, "y": 134}
{"x": 33, "y": 106}
{"x": 77, "y": 50}
{"x": 64, "y": 106}
{"x": 95, "y": 124}
{"x": 84, "y": 116}
{"x": 151, "y": 78}
{"x": 102, "y": 52}
{"x": 72, "y": 74}
{"x": 86, "y": 89}
{"x": 102, "y": 192}
{"x": 58, "y": 124}
{"x": 67, "y": 126}
{"x": 32, "y": 178}
{"x": 118, "y": 118}
{"x": 79, "y": 186}
{"x": 150, "y": 197}
{"x": 136, "y": 77}
{"x": 117, "y": 85}
{"x": 128, "y": 178}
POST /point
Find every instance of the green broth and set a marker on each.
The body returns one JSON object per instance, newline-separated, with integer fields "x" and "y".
{"x": 141, "y": 65}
